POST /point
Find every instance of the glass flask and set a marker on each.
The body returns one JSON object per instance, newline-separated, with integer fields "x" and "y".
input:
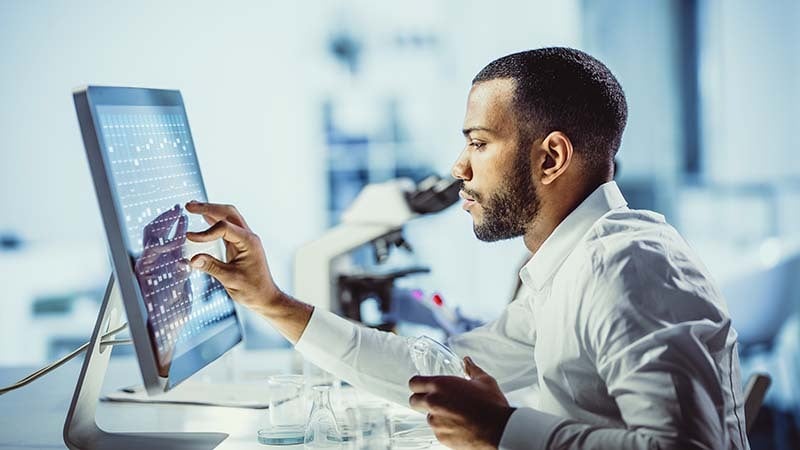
{"x": 315, "y": 376}
{"x": 432, "y": 358}
{"x": 322, "y": 431}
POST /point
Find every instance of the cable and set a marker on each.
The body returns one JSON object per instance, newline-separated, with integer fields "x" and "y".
{"x": 56, "y": 364}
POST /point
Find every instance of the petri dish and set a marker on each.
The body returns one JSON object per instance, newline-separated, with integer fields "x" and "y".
{"x": 407, "y": 443}
{"x": 283, "y": 435}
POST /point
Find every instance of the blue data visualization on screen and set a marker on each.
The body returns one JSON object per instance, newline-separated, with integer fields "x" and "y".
{"x": 154, "y": 172}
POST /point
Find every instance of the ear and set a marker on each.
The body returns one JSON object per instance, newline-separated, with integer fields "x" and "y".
{"x": 557, "y": 156}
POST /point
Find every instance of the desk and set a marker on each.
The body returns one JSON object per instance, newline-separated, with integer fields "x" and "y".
{"x": 32, "y": 417}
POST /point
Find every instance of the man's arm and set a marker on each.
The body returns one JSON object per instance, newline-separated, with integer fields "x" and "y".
{"x": 661, "y": 341}
{"x": 376, "y": 361}
{"x": 370, "y": 359}
{"x": 667, "y": 392}
{"x": 504, "y": 347}
{"x": 380, "y": 362}
{"x": 663, "y": 345}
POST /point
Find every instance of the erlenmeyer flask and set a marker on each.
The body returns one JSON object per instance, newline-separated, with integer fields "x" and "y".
{"x": 322, "y": 431}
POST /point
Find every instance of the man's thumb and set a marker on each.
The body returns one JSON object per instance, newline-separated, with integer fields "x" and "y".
{"x": 472, "y": 369}
{"x": 211, "y": 266}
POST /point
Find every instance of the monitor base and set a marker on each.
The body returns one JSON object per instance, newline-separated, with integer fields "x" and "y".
{"x": 103, "y": 440}
{"x": 80, "y": 427}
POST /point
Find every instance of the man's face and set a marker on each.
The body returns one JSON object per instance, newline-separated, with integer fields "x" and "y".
{"x": 495, "y": 165}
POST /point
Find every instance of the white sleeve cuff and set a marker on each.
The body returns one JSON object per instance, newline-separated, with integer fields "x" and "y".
{"x": 528, "y": 428}
{"x": 326, "y": 337}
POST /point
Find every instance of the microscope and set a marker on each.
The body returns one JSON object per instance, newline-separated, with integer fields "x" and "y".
{"x": 326, "y": 274}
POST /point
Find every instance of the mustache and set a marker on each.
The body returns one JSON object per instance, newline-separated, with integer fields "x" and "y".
{"x": 472, "y": 193}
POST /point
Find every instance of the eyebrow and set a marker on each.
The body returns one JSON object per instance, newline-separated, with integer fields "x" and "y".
{"x": 467, "y": 131}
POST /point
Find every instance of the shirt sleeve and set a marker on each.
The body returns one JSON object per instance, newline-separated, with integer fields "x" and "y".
{"x": 370, "y": 359}
{"x": 665, "y": 349}
{"x": 504, "y": 347}
{"x": 380, "y": 362}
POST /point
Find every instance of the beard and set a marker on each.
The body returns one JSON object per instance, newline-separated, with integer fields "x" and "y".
{"x": 509, "y": 211}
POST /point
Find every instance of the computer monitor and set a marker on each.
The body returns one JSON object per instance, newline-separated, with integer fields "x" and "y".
{"x": 143, "y": 163}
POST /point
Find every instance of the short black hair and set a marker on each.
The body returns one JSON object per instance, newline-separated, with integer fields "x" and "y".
{"x": 567, "y": 90}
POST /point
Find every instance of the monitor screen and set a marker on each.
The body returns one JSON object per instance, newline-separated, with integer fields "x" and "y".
{"x": 152, "y": 171}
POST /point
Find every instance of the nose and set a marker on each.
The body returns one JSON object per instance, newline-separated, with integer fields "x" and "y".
{"x": 462, "y": 169}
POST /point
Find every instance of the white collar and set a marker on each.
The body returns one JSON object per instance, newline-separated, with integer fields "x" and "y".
{"x": 555, "y": 249}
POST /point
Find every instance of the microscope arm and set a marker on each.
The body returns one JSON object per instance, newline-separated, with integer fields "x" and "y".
{"x": 312, "y": 264}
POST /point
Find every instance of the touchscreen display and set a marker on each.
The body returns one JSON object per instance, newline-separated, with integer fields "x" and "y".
{"x": 153, "y": 172}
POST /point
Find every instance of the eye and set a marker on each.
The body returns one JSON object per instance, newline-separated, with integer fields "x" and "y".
{"x": 477, "y": 145}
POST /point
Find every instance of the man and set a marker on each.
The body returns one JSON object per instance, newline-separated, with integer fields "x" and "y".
{"x": 619, "y": 325}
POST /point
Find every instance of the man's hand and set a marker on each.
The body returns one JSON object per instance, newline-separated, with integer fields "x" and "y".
{"x": 464, "y": 414}
{"x": 246, "y": 274}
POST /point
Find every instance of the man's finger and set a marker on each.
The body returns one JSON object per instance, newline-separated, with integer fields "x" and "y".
{"x": 473, "y": 370}
{"x": 476, "y": 373}
{"x": 225, "y": 230}
{"x": 434, "y": 403}
{"x": 214, "y": 212}
{"x": 417, "y": 403}
{"x": 214, "y": 267}
{"x": 442, "y": 423}
{"x": 422, "y": 385}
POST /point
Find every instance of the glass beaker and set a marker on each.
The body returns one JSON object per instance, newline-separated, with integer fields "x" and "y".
{"x": 366, "y": 426}
{"x": 286, "y": 418}
{"x": 376, "y": 427}
{"x": 322, "y": 431}
{"x": 350, "y": 428}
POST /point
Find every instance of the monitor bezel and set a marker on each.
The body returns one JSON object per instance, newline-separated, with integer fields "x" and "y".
{"x": 86, "y": 100}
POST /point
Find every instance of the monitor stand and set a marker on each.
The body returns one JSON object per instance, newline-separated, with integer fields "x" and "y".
{"x": 81, "y": 429}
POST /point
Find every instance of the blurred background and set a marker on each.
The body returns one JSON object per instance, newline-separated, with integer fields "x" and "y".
{"x": 295, "y": 106}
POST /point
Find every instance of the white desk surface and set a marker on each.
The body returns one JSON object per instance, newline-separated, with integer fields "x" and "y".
{"x": 32, "y": 417}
